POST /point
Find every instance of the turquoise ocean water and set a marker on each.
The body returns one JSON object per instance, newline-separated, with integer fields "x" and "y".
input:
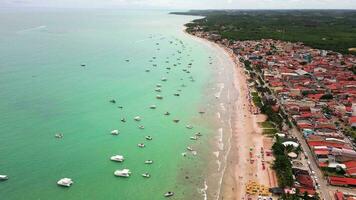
{"x": 45, "y": 90}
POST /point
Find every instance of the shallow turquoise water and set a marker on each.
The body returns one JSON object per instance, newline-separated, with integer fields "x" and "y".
{"x": 45, "y": 90}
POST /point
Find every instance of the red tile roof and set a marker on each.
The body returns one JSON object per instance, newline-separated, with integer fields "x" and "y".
{"x": 325, "y": 143}
{"x": 342, "y": 181}
{"x": 339, "y": 196}
{"x": 323, "y": 164}
{"x": 350, "y": 164}
{"x": 305, "y": 180}
{"x": 302, "y": 190}
{"x": 352, "y": 120}
{"x": 321, "y": 152}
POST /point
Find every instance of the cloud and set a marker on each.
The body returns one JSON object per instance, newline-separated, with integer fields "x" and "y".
{"x": 190, "y": 4}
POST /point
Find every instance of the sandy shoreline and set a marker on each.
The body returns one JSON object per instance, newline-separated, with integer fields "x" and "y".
{"x": 248, "y": 145}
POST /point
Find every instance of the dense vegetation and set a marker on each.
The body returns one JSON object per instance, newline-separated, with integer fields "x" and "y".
{"x": 323, "y": 29}
{"x": 282, "y": 164}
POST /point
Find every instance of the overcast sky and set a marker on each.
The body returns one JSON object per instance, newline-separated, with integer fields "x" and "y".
{"x": 186, "y": 4}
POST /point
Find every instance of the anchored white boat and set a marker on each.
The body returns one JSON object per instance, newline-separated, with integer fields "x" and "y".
{"x": 158, "y": 90}
{"x": 137, "y": 118}
{"x": 117, "y": 158}
{"x": 189, "y": 148}
{"x": 164, "y": 79}
{"x": 146, "y": 175}
{"x": 66, "y": 182}
{"x": 115, "y": 132}
{"x": 198, "y": 134}
{"x": 194, "y": 138}
{"x": 141, "y": 127}
{"x": 158, "y": 85}
{"x": 167, "y": 113}
{"x": 148, "y": 137}
{"x": 153, "y": 106}
{"x": 189, "y": 126}
{"x": 159, "y": 97}
{"x": 122, "y": 173}
{"x": 58, "y": 136}
{"x": 141, "y": 145}
{"x": 3, "y": 177}
{"x": 148, "y": 161}
{"x": 169, "y": 194}
{"x": 176, "y": 120}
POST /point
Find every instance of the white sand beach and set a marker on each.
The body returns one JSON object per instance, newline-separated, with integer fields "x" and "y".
{"x": 244, "y": 161}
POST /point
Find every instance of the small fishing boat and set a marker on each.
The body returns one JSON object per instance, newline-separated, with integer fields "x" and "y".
{"x": 194, "y": 138}
{"x": 164, "y": 79}
{"x": 198, "y": 134}
{"x": 158, "y": 90}
{"x": 189, "y": 148}
{"x": 141, "y": 145}
{"x": 127, "y": 60}
{"x": 121, "y": 107}
{"x": 66, "y": 182}
{"x": 83, "y": 65}
{"x": 148, "y": 137}
{"x": 137, "y": 118}
{"x": 159, "y": 97}
{"x": 123, "y": 120}
{"x": 169, "y": 194}
{"x": 122, "y": 173}
{"x": 153, "y": 107}
{"x": 147, "y": 70}
{"x": 158, "y": 85}
{"x": 176, "y": 94}
{"x": 3, "y": 177}
{"x": 141, "y": 127}
{"x": 112, "y": 101}
{"x": 176, "y": 120}
{"x": 146, "y": 175}
{"x": 148, "y": 161}
{"x": 115, "y": 132}
{"x": 59, "y": 135}
{"x": 117, "y": 158}
{"x": 167, "y": 113}
{"x": 189, "y": 126}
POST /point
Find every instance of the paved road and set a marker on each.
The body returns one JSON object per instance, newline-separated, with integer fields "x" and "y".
{"x": 323, "y": 185}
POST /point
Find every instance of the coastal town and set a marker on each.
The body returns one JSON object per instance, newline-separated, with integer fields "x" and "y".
{"x": 309, "y": 98}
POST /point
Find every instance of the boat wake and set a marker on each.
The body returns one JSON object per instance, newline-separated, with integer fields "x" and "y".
{"x": 37, "y": 28}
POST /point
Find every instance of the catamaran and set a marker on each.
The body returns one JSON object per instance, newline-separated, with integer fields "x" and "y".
{"x": 115, "y": 132}
{"x": 117, "y": 158}
{"x": 66, "y": 182}
{"x": 122, "y": 173}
